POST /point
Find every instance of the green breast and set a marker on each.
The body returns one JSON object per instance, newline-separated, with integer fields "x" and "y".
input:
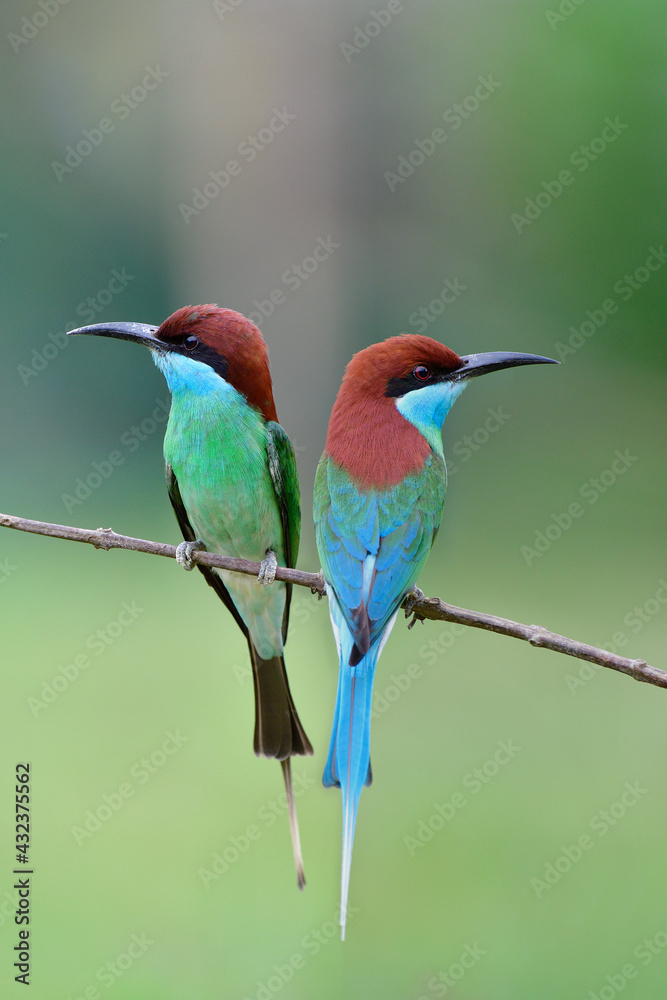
{"x": 216, "y": 446}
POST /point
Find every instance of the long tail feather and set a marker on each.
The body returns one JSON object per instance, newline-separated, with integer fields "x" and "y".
{"x": 279, "y": 733}
{"x": 293, "y": 823}
{"x": 348, "y": 764}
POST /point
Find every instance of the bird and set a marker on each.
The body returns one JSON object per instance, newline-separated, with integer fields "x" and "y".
{"x": 233, "y": 483}
{"x": 378, "y": 498}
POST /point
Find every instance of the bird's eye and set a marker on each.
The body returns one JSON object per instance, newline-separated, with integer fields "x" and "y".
{"x": 421, "y": 372}
{"x": 190, "y": 343}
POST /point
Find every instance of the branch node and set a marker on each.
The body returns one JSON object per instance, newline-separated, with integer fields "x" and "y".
{"x": 102, "y": 538}
{"x": 638, "y": 668}
{"x": 538, "y": 635}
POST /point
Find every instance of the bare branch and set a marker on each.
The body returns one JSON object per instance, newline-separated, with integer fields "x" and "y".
{"x": 435, "y": 609}
{"x": 420, "y": 607}
{"x": 106, "y": 538}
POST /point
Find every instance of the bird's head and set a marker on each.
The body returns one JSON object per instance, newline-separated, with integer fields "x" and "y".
{"x": 198, "y": 346}
{"x": 416, "y": 377}
{"x": 424, "y": 377}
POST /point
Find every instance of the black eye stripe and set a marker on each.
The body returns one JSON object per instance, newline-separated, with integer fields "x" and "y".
{"x": 420, "y": 376}
{"x": 192, "y": 347}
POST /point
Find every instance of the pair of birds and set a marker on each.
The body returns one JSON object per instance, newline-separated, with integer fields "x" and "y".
{"x": 379, "y": 492}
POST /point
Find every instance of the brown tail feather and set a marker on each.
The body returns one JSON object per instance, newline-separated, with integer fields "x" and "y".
{"x": 278, "y": 730}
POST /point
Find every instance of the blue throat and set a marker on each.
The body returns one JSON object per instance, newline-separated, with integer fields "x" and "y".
{"x": 427, "y": 408}
{"x": 186, "y": 376}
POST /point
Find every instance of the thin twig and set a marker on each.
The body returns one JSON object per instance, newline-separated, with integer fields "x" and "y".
{"x": 420, "y": 607}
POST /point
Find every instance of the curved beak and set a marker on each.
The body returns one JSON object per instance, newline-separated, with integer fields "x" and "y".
{"x": 138, "y": 333}
{"x": 473, "y": 365}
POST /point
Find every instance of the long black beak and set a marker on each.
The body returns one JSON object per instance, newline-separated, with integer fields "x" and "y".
{"x": 473, "y": 365}
{"x": 138, "y": 333}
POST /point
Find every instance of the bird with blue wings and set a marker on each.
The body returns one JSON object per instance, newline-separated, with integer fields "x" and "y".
{"x": 379, "y": 493}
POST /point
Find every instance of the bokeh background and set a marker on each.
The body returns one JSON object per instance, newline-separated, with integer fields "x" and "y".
{"x": 473, "y": 908}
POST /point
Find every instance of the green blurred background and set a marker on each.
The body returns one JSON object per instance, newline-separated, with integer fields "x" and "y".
{"x": 361, "y": 98}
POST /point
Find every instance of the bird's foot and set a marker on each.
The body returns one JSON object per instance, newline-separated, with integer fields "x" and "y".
{"x": 411, "y": 598}
{"x": 267, "y": 569}
{"x": 184, "y": 553}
